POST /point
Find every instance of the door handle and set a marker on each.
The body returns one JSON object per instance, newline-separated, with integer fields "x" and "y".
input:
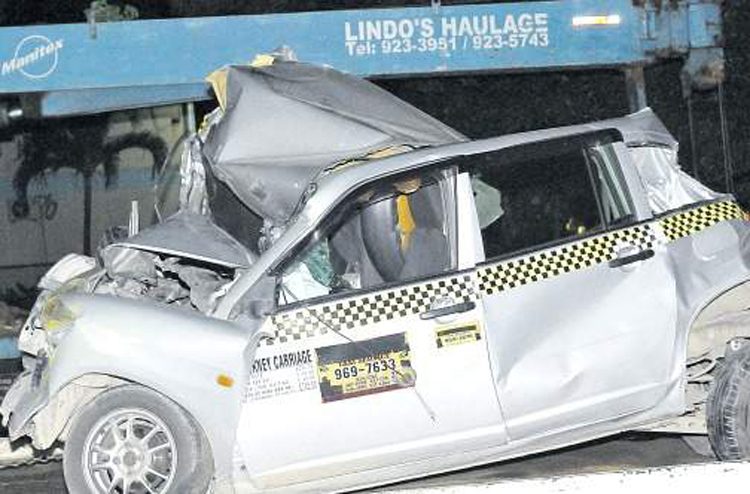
{"x": 444, "y": 311}
{"x": 638, "y": 256}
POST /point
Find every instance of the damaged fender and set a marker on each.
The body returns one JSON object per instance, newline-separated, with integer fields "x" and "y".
{"x": 178, "y": 353}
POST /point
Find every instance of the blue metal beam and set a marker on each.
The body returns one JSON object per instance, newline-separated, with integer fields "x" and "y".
{"x": 143, "y": 63}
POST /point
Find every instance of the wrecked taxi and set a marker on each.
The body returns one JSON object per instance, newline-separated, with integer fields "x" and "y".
{"x": 352, "y": 293}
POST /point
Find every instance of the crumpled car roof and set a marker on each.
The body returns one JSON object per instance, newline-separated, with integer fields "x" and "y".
{"x": 640, "y": 128}
{"x": 284, "y": 123}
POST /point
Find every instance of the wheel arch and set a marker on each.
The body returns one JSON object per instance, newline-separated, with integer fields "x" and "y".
{"x": 52, "y": 420}
{"x": 719, "y": 319}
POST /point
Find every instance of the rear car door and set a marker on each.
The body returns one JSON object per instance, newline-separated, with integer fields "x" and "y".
{"x": 379, "y": 358}
{"x": 578, "y": 294}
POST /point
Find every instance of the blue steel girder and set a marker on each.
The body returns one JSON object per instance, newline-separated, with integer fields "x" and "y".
{"x": 152, "y": 62}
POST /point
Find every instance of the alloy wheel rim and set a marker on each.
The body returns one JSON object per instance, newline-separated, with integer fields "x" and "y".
{"x": 129, "y": 451}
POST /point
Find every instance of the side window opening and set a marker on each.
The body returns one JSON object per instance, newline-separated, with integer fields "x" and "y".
{"x": 541, "y": 193}
{"x": 396, "y": 230}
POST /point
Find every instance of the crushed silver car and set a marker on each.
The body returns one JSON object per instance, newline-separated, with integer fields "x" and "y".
{"x": 352, "y": 293}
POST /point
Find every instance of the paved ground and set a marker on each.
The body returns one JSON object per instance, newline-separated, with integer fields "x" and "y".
{"x": 33, "y": 480}
{"x": 628, "y": 451}
{"x": 604, "y": 455}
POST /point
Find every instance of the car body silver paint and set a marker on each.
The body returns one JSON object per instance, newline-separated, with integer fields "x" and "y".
{"x": 178, "y": 353}
{"x": 533, "y": 337}
{"x": 466, "y": 458}
{"x": 583, "y": 357}
{"x": 702, "y": 276}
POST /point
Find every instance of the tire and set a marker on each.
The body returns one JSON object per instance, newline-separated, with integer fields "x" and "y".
{"x": 143, "y": 436}
{"x": 728, "y": 408}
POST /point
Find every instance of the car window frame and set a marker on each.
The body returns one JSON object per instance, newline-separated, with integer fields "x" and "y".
{"x": 614, "y": 136}
{"x": 614, "y": 180}
{"x": 279, "y": 266}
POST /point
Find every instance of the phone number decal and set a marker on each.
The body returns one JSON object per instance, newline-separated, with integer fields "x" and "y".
{"x": 366, "y": 367}
{"x": 446, "y": 34}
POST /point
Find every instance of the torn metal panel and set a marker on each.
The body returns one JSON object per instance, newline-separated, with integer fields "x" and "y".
{"x": 134, "y": 273}
{"x": 52, "y": 420}
{"x": 127, "y": 262}
{"x": 667, "y": 186}
{"x": 24, "y": 399}
{"x": 192, "y": 236}
{"x": 67, "y": 268}
{"x": 193, "y": 178}
{"x": 205, "y": 285}
{"x": 193, "y": 195}
{"x": 286, "y": 122}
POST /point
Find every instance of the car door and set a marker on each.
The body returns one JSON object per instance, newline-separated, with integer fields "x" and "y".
{"x": 379, "y": 357}
{"x": 579, "y": 299}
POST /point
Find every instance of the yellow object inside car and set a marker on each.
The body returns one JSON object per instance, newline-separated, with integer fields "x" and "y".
{"x": 406, "y": 224}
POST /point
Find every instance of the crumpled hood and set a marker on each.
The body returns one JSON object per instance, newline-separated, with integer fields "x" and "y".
{"x": 286, "y": 122}
{"x": 192, "y": 236}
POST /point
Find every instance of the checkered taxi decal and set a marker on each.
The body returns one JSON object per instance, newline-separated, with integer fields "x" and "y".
{"x": 570, "y": 257}
{"x": 369, "y": 309}
{"x": 308, "y": 322}
{"x": 694, "y": 220}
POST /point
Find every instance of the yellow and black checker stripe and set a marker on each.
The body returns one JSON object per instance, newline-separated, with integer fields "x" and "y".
{"x": 686, "y": 223}
{"x": 539, "y": 266}
{"x": 308, "y": 322}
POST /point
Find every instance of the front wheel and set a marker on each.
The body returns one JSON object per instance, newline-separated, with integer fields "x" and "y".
{"x": 132, "y": 440}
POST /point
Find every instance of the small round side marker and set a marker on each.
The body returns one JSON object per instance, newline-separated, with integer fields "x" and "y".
{"x": 224, "y": 381}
